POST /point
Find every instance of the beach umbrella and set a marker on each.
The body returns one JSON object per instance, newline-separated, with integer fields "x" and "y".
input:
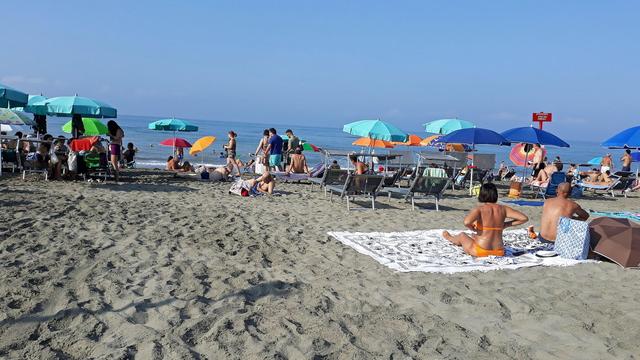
{"x": 176, "y": 143}
{"x": 201, "y": 144}
{"x": 531, "y": 135}
{"x": 434, "y": 141}
{"x": 373, "y": 143}
{"x": 92, "y": 127}
{"x": 36, "y": 105}
{"x": 521, "y": 154}
{"x": 629, "y": 138}
{"x": 67, "y": 106}
{"x": 10, "y": 97}
{"x": 10, "y": 129}
{"x": 447, "y": 126}
{"x": 412, "y": 140}
{"x": 310, "y": 147}
{"x": 617, "y": 240}
{"x": 635, "y": 156}
{"x": 174, "y": 125}
{"x": 375, "y": 129}
{"x": 430, "y": 140}
{"x": 15, "y": 117}
{"x": 474, "y": 136}
{"x": 595, "y": 161}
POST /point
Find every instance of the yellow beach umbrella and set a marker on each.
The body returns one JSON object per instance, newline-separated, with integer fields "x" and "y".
{"x": 373, "y": 143}
{"x": 201, "y": 144}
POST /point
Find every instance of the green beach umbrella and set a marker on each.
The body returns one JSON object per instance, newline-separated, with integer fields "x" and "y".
{"x": 10, "y": 97}
{"x": 92, "y": 127}
{"x": 67, "y": 106}
{"x": 375, "y": 129}
{"x": 15, "y": 117}
{"x": 447, "y": 126}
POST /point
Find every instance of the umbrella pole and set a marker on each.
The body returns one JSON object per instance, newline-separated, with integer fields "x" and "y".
{"x": 473, "y": 159}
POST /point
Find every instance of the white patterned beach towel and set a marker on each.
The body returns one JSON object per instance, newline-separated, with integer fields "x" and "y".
{"x": 428, "y": 251}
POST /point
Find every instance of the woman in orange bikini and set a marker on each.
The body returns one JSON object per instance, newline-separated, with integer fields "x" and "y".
{"x": 488, "y": 221}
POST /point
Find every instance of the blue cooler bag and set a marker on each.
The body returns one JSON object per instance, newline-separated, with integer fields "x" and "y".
{"x": 572, "y": 241}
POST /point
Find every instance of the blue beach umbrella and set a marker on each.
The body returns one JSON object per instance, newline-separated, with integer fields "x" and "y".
{"x": 635, "y": 156}
{"x": 474, "y": 136}
{"x": 447, "y": 126}
{"x": 629, "y": 138}
{"x": 531, "y": 135}
{"x": 10, "y": 97}
{"x": 67, "y": 106}
{"x": 595, "y": 161}
{"x": 375, "y": 129}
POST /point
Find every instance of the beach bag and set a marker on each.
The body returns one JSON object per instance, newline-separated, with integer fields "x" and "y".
{"x": 240, "y": 187}
{"x": 572, "y": 241}
{"x": 204, "y": 175}
{"x": 514, "y": 189}
{"x": 72, "y": 161}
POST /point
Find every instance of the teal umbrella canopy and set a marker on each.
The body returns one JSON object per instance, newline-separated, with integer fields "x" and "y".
{"x": 172, "y": 125}
{"x": 447, "y": 126}
{"x": 67, "y": 106}
{"x": 37, "y": 105}
{"x": 10, "y": 97}
{"x": 375, "y": 129}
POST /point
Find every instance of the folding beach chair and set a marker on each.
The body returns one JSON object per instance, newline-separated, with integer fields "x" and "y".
{"x": 357, "y": 185}
{"x": 96, "y": 164}
{"x": 422, "y": 187}
{"x": 551, "y": 189}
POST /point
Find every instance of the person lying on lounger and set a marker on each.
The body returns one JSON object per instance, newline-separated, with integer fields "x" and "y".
{"x": 599, "y": 178}
{"x": 488, "y": 221}
{"x": 263, "y": 184}
{"x": 298, "y": 163}
{"x": 553, "y": 209}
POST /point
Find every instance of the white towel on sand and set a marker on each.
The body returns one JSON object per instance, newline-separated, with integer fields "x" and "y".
{"x": 428, "y": 251}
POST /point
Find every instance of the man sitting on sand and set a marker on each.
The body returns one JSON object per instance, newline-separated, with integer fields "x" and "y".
{"x": 263, "y": 184}
{"x": 360, "y": 167}
{"x": 553, "y": 209}
{"x": 488, "y": 221}
{"x": 298, "y": 163}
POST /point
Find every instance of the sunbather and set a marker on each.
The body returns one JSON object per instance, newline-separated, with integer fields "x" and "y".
{"x": 186, "y": 167}
{"x": 263, "y": 184}
{"x": 298, "y": 163}
{"x": 603, "y": 178}
{"x": 360, "y": 167}
{"x": 220, "y": 173}
{"x": 553, "y": 209}
{"x": 172, "y": 163}
{"x": 488, "y": 221}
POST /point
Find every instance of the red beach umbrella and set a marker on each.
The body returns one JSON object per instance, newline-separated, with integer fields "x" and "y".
{"x": 176, "y": 142}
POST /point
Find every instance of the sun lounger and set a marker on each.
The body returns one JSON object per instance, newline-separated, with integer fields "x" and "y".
{"x": 96, "y": 164}
{"x": 357, "y": 185}
{"x": 331, "y": 177}
{"x": 10, "y": 157}
{"x": 608, "y": 188}
{"x": 422, "y": 187}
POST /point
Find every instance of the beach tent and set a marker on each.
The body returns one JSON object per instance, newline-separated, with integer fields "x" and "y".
{"x": 617, "y": 240}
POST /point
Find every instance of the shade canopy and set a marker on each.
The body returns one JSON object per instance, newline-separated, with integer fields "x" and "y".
{"x": 176, "y": 142}
{"x": 531, "y": 135}
{"x": 447, "y": 126}
{"x": 67, "y": 106}
{"x": 10, "y": 97}
{"x": 474, "y": 136}
{"x": 629, "y": 138}
{"x": 520, "y": 156}
{"x": 172, "y": 124}
{"x": 15, "y": 117}
{"x": 201, "y": 144}
{"x": 617, "y": 240}
{"x": 92, "y": 127}
{"x": 375, "y": 129}
{"x": 373, "y": 143}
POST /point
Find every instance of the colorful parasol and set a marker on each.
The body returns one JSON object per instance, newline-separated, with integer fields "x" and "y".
{"x": 176, "y": 142}
{"x": 373, "y": 143}
{"x": 519, "y": 156}
{"x": 201, "y": 144}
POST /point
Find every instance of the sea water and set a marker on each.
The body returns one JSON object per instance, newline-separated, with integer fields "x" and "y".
{"x": 153, "y": 155}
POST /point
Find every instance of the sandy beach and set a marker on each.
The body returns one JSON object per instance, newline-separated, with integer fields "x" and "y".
{"x": 165, "y": 268}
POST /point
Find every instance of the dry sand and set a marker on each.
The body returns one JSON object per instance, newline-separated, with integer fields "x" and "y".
{"x": 175, "y": 269}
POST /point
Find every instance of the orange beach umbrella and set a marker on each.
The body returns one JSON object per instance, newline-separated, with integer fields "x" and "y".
{"x": 374, "y": 143}
{"x": 412, "y": 140}
{"x": 201, "y": 144}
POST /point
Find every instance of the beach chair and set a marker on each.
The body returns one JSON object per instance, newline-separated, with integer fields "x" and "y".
{"x": 551, "y": 189}
{"x": 422, "y": 187}
{"x": 626, "y": 180}
{"x": 97, "y": 165}
{"x": 10, "y": 158}
{"x": 606, "y": 189}
{"x": 357, "y": 185}
{"x": 331, "y": 177}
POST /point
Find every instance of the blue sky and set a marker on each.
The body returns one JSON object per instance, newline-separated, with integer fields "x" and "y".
{"x": 331, "y": 62}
